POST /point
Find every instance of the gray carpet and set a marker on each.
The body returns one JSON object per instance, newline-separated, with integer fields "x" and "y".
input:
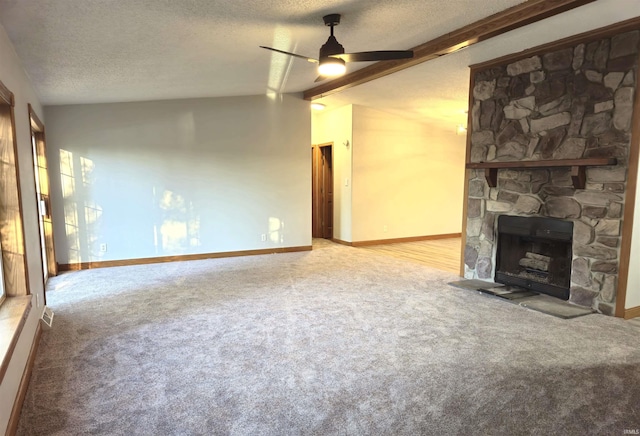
{"x": 333, "y": 341}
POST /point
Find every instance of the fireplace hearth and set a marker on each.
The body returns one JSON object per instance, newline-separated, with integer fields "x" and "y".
{"x": 535, "y": 253}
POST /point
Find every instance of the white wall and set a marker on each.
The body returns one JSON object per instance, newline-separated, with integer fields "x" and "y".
{"x": 407, "y": 176}
{"x": 14, "y": 78}
{"x": 179, "y": 177}
{"x": 336, "y": 126}
{"x": 633, "y": 283}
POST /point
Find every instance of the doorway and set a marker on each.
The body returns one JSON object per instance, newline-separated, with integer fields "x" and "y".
{"x": 322, "y": 191}
{"x": 41, "y": 173}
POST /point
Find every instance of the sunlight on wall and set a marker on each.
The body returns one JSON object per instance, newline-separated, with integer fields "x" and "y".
{"x": 176, "y": 228}
{"x": 70, "y": 208}
{"x": 87, "y": 167}
{"x": 276, "y": 230}
{"x": 78, "y": 217}
{"x": 66, "y": 171}
{"x": 179, "y": 225}
{"x": 92, "y": 214}
{"x": 92, "y": 211}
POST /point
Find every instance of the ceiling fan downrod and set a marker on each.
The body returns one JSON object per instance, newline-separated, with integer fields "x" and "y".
{"x": 332, "y": 46}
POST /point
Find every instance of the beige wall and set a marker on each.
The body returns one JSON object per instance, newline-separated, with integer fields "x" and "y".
{"x": 336, "y": 126}
{"x": 179, "y": 177}
{"x": 407, "y": 177}
{"x": 633, "y": 283}
{"x": 14, "y": 78}
{"x": 398, "y": 178}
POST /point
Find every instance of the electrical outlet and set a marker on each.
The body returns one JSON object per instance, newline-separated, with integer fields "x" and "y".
{"x": 264, "y": 237}
{"x": 384, "y": 228}
{"x": 103, "y": 247}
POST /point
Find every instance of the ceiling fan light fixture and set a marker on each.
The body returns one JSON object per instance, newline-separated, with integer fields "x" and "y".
{"x": 332, "y": 67}
{"x": 332, "y": 57}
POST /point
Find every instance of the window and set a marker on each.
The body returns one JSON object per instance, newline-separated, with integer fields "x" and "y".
{"x": 13, "y": 269}
{"x": 6, "y": 137}
{"x": 3, "y": 293}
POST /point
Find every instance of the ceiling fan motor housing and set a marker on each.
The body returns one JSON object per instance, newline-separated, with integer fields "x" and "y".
{"x": 331, "y": 47}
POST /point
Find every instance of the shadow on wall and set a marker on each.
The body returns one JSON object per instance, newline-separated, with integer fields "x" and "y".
{"x": 175, "y": 228}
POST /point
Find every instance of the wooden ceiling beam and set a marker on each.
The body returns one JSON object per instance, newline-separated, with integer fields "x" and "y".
{"x": 517, "y": 16}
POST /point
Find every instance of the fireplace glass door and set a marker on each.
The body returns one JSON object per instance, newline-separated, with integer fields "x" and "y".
{"x": 535, "y": 253}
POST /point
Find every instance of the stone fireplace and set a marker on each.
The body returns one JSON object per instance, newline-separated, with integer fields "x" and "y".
{"x": 563, "y": 104}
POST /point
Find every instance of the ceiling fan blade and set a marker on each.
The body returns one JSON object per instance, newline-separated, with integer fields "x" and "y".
{"x": 291, "y": 54}
{"x": 382, "y": 55}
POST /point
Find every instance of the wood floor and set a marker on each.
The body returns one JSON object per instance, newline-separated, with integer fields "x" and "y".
{"x": 442, "y": 254}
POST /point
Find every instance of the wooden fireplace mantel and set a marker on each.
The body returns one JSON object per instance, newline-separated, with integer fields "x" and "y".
{"x": 578, "y": 167}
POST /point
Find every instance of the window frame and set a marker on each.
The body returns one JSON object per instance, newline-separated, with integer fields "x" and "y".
{"x": 14, "y": 261}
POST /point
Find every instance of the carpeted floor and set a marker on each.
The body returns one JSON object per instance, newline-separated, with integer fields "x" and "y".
{"x": 333, "y": 341}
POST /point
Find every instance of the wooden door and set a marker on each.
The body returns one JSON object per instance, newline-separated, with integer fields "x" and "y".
{"x": 327, "y": 192}
{"x": 322, "y": 191}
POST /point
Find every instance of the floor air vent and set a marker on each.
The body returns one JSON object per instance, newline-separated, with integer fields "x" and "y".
{"x": 47, "y": 318}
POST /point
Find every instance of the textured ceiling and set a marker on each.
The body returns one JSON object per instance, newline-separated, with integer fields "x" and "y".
{"x": 93, "y": 51}
{"x": 437, "y": 91}
{"x": 90, "y": 51}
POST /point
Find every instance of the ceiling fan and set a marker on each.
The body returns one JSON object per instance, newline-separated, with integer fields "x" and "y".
{"x": 332, "y": 58}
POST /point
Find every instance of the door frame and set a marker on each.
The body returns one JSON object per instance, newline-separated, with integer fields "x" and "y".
{"x": 322, "y": 208}
{"x": 43, "y": 197}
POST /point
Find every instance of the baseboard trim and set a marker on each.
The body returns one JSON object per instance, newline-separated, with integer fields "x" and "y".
{"x": 341, "y": 242}
{"x": 634, "y": 312}
{"x": 409, "y": 239}
{"x": 14, "y": 419}
{"x": 164, "y": 259}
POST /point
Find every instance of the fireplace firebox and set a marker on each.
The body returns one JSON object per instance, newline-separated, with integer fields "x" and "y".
{"x": 535, "y": 253}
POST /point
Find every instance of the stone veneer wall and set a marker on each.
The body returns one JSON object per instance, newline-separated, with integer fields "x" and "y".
{"x": 574, "y": 102}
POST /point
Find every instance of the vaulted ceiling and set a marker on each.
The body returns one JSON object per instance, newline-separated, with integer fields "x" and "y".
{"x": 79, "y": 51}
